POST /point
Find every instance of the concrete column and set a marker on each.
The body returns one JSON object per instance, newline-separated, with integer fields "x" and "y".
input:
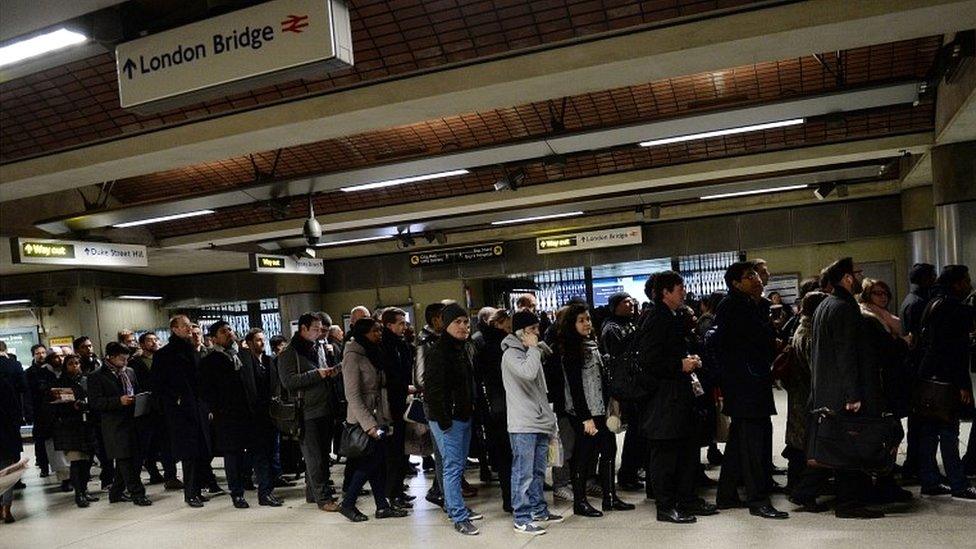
{"x": 954, "y": 196}
{"x": 918, "y": 222}
{"x": 293, "y": 305}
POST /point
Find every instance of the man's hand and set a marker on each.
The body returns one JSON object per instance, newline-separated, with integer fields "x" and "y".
{"x": 966, "y": 397}
{"x": 530, "y": 339}
{"x": 328, "y": 372}
{"x": 853, "y": 406}
{"x": 589, "y": 427}
{"x": 373, "y": 434}
{"x": 690, "y": 364}
{"x": 127, "y": 400}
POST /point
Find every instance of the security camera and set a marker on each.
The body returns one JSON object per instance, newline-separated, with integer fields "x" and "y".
{"x": 312, "y": 231}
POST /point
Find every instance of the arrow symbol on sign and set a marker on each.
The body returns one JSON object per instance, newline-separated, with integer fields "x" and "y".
{"x": 129, "y": 66}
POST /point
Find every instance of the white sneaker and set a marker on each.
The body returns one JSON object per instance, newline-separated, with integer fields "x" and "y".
{"x": 549, "y": 518}
{"x": 530, "y": 529}
{"x": 969, "y": 494}
{"x": 563, "y": 492}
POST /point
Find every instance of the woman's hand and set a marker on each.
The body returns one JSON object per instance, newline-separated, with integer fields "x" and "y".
{"x": 589, "y": 427}
{"x": 373, "y": 433}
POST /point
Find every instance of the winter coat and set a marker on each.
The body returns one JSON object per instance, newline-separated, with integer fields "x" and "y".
{"x": 670, "y": 410}
{"x": 797, "y": 385}
{"x": 448, "y": 381}
{"x": 11, "y": 444}
{"x": 945, "y": 341}
{"x": 297, "y": 369}
{"x": 74, "y": 429}
{"x": 488, "y": 373}
{"x": 890, "y": 354}
{"x": 399, "y": 371}
{"x": 365, "y": 386}
{"x": 230, "y": 390}
{"x": 105, "y": 389}
{"x": 527, "y": 409}
{"x": 176, "y": 382}
{"x": 40, "y": 380}
{"x": 746, "y": 349}
{"x": 584, "y": 382}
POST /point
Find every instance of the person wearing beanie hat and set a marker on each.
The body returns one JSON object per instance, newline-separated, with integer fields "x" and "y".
{"x": 922, "y": 278}
{"x": 615, "y": 335}
{"x": 448, "y": 385}
{"x": 531, "y": 422}
{"x": 947, "y": 322}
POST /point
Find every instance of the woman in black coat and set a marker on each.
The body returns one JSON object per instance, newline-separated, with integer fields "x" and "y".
{"x": 488, "y": 375}
{"x": 74, "y": 432}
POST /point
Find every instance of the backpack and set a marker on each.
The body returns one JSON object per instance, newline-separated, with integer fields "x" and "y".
{"x": 627, "y": 380}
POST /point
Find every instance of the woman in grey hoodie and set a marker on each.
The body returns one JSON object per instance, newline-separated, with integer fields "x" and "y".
{"x": 531, "y": 421}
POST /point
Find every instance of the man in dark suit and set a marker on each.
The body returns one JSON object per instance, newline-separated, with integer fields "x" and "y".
{"x": 39, "y": 379}
{"x": 153, "y": 439}
{"x": 242, "y": 425}
{"x": 746, "y": 348}
{"x": 176, "y": 384}
{"x": 670, "y": 422}
{"x": 111, "y": 392}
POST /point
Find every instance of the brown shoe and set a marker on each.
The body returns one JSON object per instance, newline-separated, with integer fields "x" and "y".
{"x": 330, "y": 506}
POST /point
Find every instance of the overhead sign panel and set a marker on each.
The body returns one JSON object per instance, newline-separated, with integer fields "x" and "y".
{"x": 273, "y": 42}
{"x": 457, "y": 255}
{"x": 43, "y": 251}
{"x": 286, "y": 264}
{"x": 585, "y": 241}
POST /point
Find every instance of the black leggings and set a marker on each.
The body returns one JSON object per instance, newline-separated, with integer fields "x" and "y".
{"x": 591, "y": 450}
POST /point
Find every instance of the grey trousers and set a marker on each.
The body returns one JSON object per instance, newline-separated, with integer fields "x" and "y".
{"x": 316, "y": 443}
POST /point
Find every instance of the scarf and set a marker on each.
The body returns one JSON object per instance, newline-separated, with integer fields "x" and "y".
{"x": 891, "y": 322}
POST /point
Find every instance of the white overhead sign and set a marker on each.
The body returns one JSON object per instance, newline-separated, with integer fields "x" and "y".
{"x": 43, "y": 251}
{"x": 276, "y": 41}
{"x": 584, "y": 241}
{"x": 286, "y": 264}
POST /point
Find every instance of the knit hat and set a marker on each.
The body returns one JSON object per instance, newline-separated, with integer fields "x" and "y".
{"x": 524, "y": 319}
{"x": 615, "y": 300}
{"x": 452, "y": 312}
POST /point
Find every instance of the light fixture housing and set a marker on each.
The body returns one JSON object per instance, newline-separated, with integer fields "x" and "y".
{"x": 723, "y": 132}
{"x": 7, "y": 302}
{"x": 39, "y": 45}
{"x": 353, "y": 240}
{"x": 536, "y": 218}
{"x": 140, "y": 297}
{"x": 752, "y": 192}
{"x": 823, "y": 190}
{"x": 403, "y": 180}
{"x": 162, "y": 218}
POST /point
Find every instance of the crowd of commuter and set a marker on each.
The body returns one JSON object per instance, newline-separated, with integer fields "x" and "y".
{"x": 519, "y": 393}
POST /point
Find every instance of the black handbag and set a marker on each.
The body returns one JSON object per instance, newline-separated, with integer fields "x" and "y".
{"x": 935, "y": 400}
{"x": 355, "y": 442}
{"x": 850, "y": 442}
{"x": 415, "y": 411}
{"x": 287, "y": 416}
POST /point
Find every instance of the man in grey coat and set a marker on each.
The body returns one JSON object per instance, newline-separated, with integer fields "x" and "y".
{"x": 531, "y": 421}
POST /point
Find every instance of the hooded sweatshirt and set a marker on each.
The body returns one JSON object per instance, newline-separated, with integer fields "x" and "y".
{"x": 527, "y": 405}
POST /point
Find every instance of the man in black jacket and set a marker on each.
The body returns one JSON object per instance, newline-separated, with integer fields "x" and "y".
{"x": 39, "y": 379}
{"x": 616, "y": 334}
{"x": 229, "y": 385}
{"x": 670, "y": 423}
{"x": 843, "y": 378}
{"x": 922, "y": 278}
{"x": 176, "y": 383}
{"x": 111, "y": 392}
{"x": 301, "y": 373}
{"x": 399, "y": 358}
{"x": 946, "y": 325}
{"x": 153, "y": 439}
{"x": 90, "y": 363}
{"x": 746, "y": 348}
{"x": 491, "y": 400}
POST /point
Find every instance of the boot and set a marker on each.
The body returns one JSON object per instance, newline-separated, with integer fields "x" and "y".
{"x": 86, "y": 475}
{"x": 610, "y": 500}
{"x": 78, "y": 483}
{"x": 581, "y": 506}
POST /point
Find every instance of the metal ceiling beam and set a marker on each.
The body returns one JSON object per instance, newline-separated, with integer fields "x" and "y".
{"x": 778, "y": 32}
{"x": 809, "y": 107}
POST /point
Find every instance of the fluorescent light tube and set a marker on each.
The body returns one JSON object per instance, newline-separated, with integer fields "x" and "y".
{"x": 403, "y": 181}
{"x": 39, "y": 45}
{"x": 754, "y": 191}
{"x": 145, "y": 297}
{"x": 15, "y": 302}
{"x": 719, "y": 133}
{"x": 536, "y": 218}
{"x": 162, "y": 218}
{"x": 353, "y": 240}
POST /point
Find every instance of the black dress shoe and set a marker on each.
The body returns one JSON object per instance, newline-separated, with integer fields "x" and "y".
{"x": 390, "y": 512}
{"x": 203, "y": 498}
{"x": 352, "y": 514}
{"x": 66, "y": 486}
{"x": 270, "y": 500}
{"x": 240, "y": 502}
{"x": 808, "y": 505}
{"x": 90, "y": 497}
{"x": 701, "y": 509}
{"x": 584, "y": 509}
{"x": 675, "y": 516}
{"x": 142, "y": 501}
{"x": 119, "y": 498}
{"x": 281, "y": 482}
{"x": 769, "y": 512}
{"x": 614, "y": 503}
{"x": 80, "y": 501}
{"x": 194, "y": 502}
{"x": 401, "y": 503}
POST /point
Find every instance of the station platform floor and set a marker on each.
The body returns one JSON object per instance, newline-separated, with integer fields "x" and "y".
{"x": 48, "y": 519}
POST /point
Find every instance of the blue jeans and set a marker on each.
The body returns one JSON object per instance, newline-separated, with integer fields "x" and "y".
{"x": 453, "y": 446}
{"x": 934, "y": 435}
{"x": 530, "y": 455}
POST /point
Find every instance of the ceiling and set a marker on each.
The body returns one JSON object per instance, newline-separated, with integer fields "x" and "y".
{"x": 62, "y": 127}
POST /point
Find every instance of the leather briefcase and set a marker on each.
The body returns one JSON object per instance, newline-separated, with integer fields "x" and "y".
{"x": 850, "y": 442}
{"x": 935, "y": 400}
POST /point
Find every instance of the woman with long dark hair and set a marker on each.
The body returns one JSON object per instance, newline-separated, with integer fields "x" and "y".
{"x": 365, "y": 384}
{"x": 74, "y": 433}
{"x": 586, "y": 406}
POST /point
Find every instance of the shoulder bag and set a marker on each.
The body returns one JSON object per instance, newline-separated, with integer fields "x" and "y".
{"x": 286, "y": 413}
{"x": 355, "y": 442}
{"x": 852, "y": 442}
